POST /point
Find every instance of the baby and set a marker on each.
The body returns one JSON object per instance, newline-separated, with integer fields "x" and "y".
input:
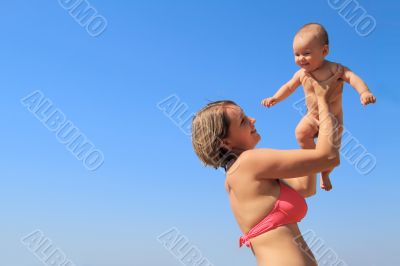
{"x": 310, "y": 47}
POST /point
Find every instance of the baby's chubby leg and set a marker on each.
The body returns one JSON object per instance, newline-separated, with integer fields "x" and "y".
{"x": 306, "y": 131}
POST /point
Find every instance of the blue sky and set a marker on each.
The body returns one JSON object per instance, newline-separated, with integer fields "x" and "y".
{"x": 109, "y": 86}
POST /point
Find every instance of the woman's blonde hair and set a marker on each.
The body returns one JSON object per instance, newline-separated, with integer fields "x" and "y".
{"x": 209, "y": 126}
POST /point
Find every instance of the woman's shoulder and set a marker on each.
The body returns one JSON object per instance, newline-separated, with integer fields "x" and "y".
{"x": 244, "y": 164}
{"x": 242, "y": 159}
{"x": 239, "y": 167}
{"x": 251, "y": 153}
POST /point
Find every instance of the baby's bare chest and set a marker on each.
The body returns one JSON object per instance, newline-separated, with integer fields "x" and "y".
{"x": 311, "y": 101}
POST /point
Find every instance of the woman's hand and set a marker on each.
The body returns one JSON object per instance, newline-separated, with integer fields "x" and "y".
{"x": 327, "y": 93}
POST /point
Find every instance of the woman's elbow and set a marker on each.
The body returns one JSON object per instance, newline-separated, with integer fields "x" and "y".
{"x": 334, "y": 160}
{"x": 309, "y": 193}
{"x": 337, "y": 161}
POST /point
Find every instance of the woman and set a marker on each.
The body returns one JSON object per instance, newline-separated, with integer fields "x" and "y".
{"x": 266, "y": 187}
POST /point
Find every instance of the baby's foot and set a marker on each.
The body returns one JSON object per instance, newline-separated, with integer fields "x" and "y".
{"x": 325, "y": 182}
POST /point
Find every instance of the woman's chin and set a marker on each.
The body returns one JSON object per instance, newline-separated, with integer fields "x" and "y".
{"x": 258, "y": 139}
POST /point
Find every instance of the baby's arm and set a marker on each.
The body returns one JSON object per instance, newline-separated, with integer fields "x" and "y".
{"x": 287, "y": 89}
{"x": 366, "y": 97}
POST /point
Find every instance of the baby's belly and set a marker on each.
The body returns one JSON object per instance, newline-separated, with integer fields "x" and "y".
{"x": 335, "y": 107}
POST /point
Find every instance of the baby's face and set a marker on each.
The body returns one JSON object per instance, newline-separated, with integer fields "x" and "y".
{"x": 309, "y": 53}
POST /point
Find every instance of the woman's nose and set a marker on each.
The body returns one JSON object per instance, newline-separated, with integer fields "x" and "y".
{"x": 253, "y": 120}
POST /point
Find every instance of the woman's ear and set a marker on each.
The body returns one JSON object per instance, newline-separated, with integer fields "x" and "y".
{"x": 225, "y": 143}
{"x": 325, "y": 50}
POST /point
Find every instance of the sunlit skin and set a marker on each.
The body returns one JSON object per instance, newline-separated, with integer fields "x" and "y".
{"x": 309, "y": 55}
{"x": 245, "y": 135}
{"x": 252, "y": 188}
{"x": 249, "y": 204}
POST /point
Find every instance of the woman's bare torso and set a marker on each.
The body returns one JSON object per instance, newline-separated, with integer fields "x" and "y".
{"x": 252, "y": 200}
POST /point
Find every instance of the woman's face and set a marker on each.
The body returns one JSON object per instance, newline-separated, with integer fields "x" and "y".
{"x": 242, "y": 133}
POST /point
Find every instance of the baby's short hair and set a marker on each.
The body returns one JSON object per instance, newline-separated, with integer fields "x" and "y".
{"x": 317, "y": 29}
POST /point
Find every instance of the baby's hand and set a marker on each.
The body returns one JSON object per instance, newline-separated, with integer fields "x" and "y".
{"x": 268, "y": 102}
{"x": 367, "y": 98}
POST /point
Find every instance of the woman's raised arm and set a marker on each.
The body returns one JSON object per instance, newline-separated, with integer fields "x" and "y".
{"x": 272, "y": 164}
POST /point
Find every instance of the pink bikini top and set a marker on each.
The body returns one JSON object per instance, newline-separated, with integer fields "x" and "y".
{"x": 290, "y": 207}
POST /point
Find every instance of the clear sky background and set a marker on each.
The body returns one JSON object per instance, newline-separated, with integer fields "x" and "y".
{"x": 151, "y": 180}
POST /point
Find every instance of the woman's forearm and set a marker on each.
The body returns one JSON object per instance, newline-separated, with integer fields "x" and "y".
{"x": 327, "y": 131}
